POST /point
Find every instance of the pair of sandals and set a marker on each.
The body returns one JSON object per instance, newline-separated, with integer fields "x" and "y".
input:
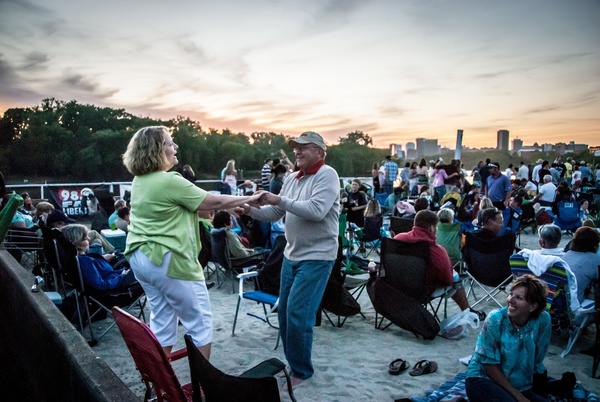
{"x": 421, "y": 367}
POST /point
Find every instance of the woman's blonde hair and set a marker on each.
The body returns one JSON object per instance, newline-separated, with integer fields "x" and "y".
{"x": 485, "y": 203}
{"x": 230, "y": 167}
{"x": 146, "y": 151}
{"x": 373, "y": 208}
{"x": 74, "y": 232}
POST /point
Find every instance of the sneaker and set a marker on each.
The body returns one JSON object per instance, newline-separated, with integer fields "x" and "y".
{"x": 480, "y": 313}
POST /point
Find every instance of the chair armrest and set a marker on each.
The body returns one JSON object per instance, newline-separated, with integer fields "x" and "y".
{"x": 246, "y": 275}
{"x": 179, "y": 354}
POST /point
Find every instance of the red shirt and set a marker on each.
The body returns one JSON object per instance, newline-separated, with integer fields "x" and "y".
{"x": 439, "y": 271}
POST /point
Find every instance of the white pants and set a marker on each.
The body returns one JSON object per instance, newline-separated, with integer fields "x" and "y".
{"x": 172, "y": 300}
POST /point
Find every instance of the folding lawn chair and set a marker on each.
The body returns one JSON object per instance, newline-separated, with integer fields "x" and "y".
{"x": 487, "y": 264}
{"x": 152, "y": 362}
{"x": 66, "y": 265}
{"x": 558, "y": 277}
{"x": 257, "y": 384}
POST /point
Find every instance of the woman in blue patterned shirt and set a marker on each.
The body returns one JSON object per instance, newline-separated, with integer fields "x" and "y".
{"x": 511, "y": 346}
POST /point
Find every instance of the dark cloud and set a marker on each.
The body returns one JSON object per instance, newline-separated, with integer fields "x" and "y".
{"x": 35, "y": 60}
{"x": 77, "y": 81}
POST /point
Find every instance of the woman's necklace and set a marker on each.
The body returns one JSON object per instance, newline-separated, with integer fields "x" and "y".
{"x": 518, "y": 329}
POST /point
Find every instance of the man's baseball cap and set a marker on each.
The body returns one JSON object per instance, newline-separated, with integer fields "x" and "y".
{"x": 308, "y": 137}
{"x": 58, "y": 216}
{"x": 494, "y": 164}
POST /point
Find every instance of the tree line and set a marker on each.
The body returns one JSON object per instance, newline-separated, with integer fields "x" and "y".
{"x": 60, "y": 141}
{"x": 67, "y": 141}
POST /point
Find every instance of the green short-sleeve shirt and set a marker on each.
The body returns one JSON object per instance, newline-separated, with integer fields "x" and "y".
{"x": 163, "y": 218}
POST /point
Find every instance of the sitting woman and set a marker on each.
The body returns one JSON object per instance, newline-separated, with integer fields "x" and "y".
{"x": 222, "y": 221}
{"x": 511, "y": 346}
{"x": 583, "y": 259}
{"x": 96, "y": 272}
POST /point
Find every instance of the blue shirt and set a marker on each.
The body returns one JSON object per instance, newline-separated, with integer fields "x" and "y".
{"x": 98, "y": 274}
{"x": 392, "y": 171}
{"x": 497, "y": 187}
{"x": 519, "y": 352}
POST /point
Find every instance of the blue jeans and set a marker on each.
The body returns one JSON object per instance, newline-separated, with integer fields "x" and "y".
{"x": 302, "y": 287}
{"x": 486, "y": 390}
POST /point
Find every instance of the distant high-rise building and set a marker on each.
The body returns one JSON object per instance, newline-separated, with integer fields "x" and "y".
{"x": 517, "y": 145}
{"x": 502, "y": 140}
{"x": 411, "y": 150}
{"x": 426, "y": 147}
{"x": 396, "y": 150}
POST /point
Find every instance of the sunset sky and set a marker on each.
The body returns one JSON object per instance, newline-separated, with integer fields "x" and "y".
{"x": 396, "y": 70}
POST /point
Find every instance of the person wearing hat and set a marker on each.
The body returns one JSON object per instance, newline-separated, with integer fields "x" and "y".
{"x": 58, "y": 219}
{"x": 498, "y": 188}
{"x": 310, "y": 202}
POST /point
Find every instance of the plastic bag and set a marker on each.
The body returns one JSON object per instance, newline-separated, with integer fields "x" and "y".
{"x": 457, "y": 326}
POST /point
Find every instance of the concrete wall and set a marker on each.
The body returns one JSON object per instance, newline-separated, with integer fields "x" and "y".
{"x": 43, "y": 357}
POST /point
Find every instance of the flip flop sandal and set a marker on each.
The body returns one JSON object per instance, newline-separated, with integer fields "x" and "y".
{"x": 423, "y": 367}
{"x": 398, "y": 366}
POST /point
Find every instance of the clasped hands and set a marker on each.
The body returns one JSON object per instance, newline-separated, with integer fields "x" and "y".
{"x": 257, "y": 200}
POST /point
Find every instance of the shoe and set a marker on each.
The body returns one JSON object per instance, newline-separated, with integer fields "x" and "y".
{"x": 398, "y": 366}
{"x": 423, "y": 367}
{"x": 210, "y": 285}
{"x": 480, "y": 313}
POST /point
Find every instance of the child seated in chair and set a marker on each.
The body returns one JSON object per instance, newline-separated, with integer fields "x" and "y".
{"x": 222, "y": 221}
{"x": 96, "y": 272}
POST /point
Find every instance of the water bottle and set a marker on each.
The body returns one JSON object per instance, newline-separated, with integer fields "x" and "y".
{"x": 578, "y": 392}
{"x": 372, "y": 269}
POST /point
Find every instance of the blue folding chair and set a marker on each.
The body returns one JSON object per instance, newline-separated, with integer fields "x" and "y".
{"x": 568, "y": 216}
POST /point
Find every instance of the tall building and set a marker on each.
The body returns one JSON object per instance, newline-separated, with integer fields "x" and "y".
{"x": 502, "y": 140}
{"x": 426, "y": 147}
{"x": 396, "y": 151}
{"x": 411, "y": 151}
{"x": 517, "y": 145}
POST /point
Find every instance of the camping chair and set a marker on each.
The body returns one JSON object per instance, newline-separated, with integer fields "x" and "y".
{"x": 567, "y": 216}
{"x": 341, "y": 293}
{"x": 405, "y": 266}
{"x": 399, "y": 224}
{"x": 487, "y": 264}
{"x": 228, "y": 264}
{"x": 557, "y": 277}
{"x": 528, "y": 220}
{"x": 151, "y": 361}
{"x": 512, "y": 221}
{"x": 69, "y": 270}
{"x": 381, "y": 198}
{"x": 371, "y": 235}
{"x": 258, "y": 296}
{"x": 255, "y": 385}
{"x": 204, "y": 257}
{"x": 449, "y": 236}
{"x": 25, "y": 245}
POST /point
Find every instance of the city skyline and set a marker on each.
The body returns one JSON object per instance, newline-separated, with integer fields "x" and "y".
{"x": 397, "y": 71}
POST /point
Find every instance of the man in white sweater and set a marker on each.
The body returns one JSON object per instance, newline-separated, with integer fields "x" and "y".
{"x": 310, "y": 202}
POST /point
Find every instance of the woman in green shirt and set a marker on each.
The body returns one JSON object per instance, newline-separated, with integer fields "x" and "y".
{"x": 164, "y": 241}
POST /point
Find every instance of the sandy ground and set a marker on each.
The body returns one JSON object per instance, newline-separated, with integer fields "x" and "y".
{"x": 351, "y": 362}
